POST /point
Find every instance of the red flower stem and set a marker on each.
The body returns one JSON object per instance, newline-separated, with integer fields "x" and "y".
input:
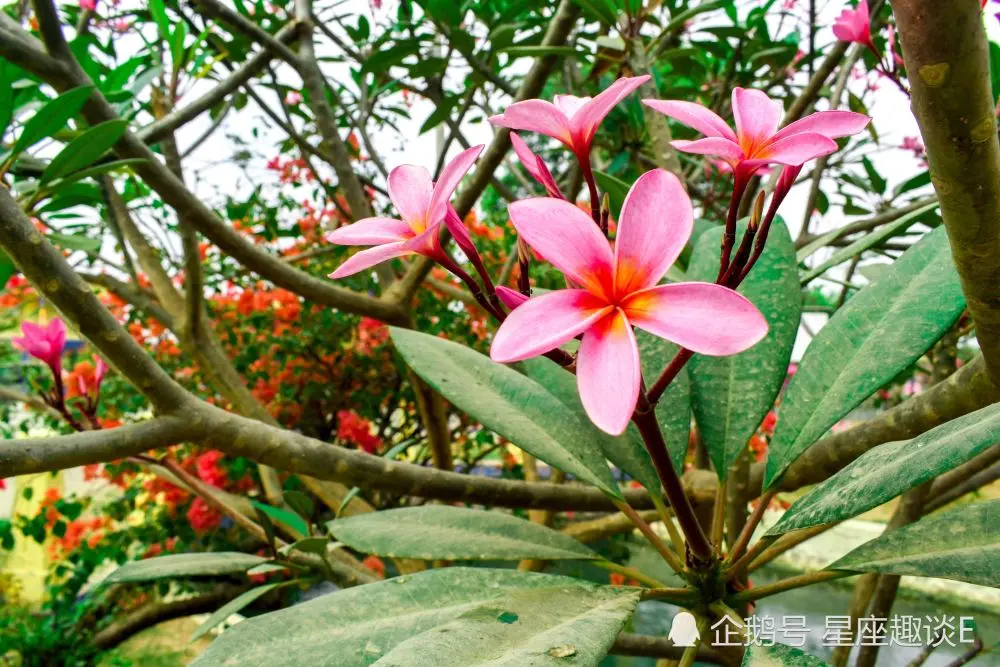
{"x": 699, "y": 548}
{"x": 595, "y": 199}
{"x": 494, "y": 308}
{"x": 734, "y": 273}
{"x": 667, "y": 376}
{"x": 758, "y": 246}
{"x": 523, "y": 267}
{"x": 740, "y": 182}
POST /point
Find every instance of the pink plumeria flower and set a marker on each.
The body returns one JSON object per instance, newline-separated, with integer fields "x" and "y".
{"x": 757, "y": 140}
{"x": 292, "y": 98}
{"x": 616, "y": 290}
{"x": 535, "y": 166}
{"x": 854, "y": 25}
{"x": 44, "y": 343}
{"x": 88, "y": 5}
{"x": 570, "y": 119}
{"x": 422, "y": 205}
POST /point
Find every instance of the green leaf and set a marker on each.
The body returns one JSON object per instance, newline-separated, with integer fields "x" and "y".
{"x": 177, "y": 45}
{"x": 995, "y": 70}
{"x": 779, "y": 655}
{"x": 877, "y": 182}
{"x": 159, "y": 12}
{"x": 415, "y": 615}
{"x": 883, "y": 329}
{"x": 232, "y": 607}
{"x": 625, "y": 451}
{"x": 96, "y": 170}
{"x": 963, "y": 545}
{"x": 448, "y": 12}
{"x": 443, "y": 532}
{"x": 868, "y": 241}
{"x": 284, "y": 517}
{"x": 732, "y": 395}
{"x": 603, "y": 10}
{"x": 84, "y": 150}
{"x": 888, "y": 470}
{"x": 7, "y": 269}
{"x": 184, "y": 565}
{"x": 505, "y": 401}
{"x": 52, "y": 117}
{"x": 440, "y": 113}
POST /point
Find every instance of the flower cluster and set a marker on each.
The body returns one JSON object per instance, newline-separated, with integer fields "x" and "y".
{"x": 614, "y": 285}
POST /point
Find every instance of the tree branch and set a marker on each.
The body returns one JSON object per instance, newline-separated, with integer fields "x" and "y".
{"x": 946, "y": 53}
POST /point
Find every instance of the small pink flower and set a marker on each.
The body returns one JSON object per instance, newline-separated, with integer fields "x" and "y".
{"x": 44, "y": 343}
{"x": 616, "y": 290}
{"x": 891, "y": 45}
{"x": 422, "y": 205}
{"x": 572, "y": 120}
{"x": 535, "y": 166}
{"x": 757, "y": 140}
{"x": 292, "y": 98}
{"x": 854, "y": 25}
{"x": 88, "y": 5}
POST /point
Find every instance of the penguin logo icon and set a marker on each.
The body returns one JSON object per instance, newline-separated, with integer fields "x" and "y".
{"x": 684, "y": 630}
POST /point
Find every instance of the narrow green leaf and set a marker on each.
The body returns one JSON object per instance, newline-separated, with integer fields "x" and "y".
{"x": 90, "y": 172}
{"x": 52, "y": 117}
{"x": 867, "y": 241}
{"x": 625, "y": 451}
{"x": 84, "y": 150}
{"x": 779, "y": 655}
{"x": 74, "y": 242}
{"x": 507, "y": 402}
{"x": 883, "y": 329}
{"x": 283, "y": 516}
{"x": 232, "y": 607}
{"x": 962, "y": 544}
{"x": 603, "y": 10}
{"x": 159, "y": 13}
{"x": 888, "y": 470}
{"x": 434, "y": 532}
{"x": 364, "y": 624}
{"x": 184, "y": 565}
{"x": 732, "y": 395}
{"x": 177, "y": 45}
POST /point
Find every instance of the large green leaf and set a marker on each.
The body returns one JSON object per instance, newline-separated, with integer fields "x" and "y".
{"x": 732, "y": 395}
{"x": 887, "y": 471}
{"x": 442, "y": 532}
{"x": 509, "y": 403}
{"x": 364, "y": 625}
{"x": 625, "y": 451}
{"x": 52, "y": 117}
{"x": 531, "y": 628}
{"x": 185, "y": 565}
{"x": 883, "y": 329}
{"x": 963, "y": 544}
{"x": 84, "y": 150}
{"x": 779, "y": 655}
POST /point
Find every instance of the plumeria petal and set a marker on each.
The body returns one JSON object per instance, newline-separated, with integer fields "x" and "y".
{"x": 832, "y": 124}
{"x": 410, "y": 192}
{"x": 427, "y": 243}
{"x": 371, "y": 231}
{"x": 588, "y": 117}
{"x": 369, "y": 258}
{"x": 654, "y": 226}
{"x": 608, "y": 372}
{"x": 717, "y": 146}
{"x": 536, "y": 116}
{"x": 794, "y": 150}
{"x": 757, "y": 116}
{"x": 544, "y": 323}
{"x": 703, "y": 317}
{"x": 569, "y": 104}
{"x": 510, "y": 297}
{"x": 695, "y": 116}
{"x": 567, "y": 238}
{"x": 460, "y": 232}
{"x": 535, "y": 166}
{"x": 451, "y": 176}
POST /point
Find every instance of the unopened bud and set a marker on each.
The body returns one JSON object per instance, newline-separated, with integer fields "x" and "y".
{"x": 758, "y": 211}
